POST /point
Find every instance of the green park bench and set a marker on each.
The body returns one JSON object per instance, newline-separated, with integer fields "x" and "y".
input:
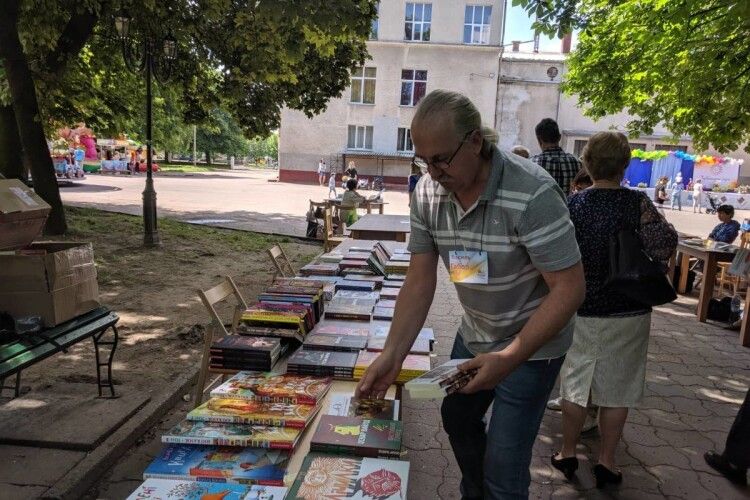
{"x": 32, "y": 348}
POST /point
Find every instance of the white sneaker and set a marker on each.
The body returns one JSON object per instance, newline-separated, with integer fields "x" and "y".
{"x": 555, "y": 404}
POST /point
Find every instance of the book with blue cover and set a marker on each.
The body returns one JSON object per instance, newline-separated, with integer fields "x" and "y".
{"x": 159, "y": 489}
{"x": 227, "y": 464}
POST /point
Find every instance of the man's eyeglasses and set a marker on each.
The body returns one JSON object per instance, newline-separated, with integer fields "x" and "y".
{"x": 424, "y": 165}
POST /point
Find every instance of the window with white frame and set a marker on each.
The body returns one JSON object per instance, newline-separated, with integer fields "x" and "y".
{"x": 477, "y": 24}
{"x": 375, "y": 23}
{"x": 403, "y": 142}
{"x": 363, "y": 86}
{"x": 578, "y": 146}
{"x": 418, "y": 22}
{"x": 360, "y": 137}
{"x": 413, "y": 86}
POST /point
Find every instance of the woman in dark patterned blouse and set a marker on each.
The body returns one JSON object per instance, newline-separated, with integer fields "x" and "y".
{"x": 606, "y": 365}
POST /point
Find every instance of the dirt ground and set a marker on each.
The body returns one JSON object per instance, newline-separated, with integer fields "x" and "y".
{"x": 154, "y": 293}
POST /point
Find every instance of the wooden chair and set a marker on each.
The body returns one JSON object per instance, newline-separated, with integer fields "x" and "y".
{"x": 330, "y": 241}
{"x": 724, "y": 278}
{"x": 281, "y": 262}
{"x": 216, "y": 328}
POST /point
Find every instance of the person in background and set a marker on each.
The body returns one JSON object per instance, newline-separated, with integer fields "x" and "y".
{"x": 560, "y": 165}
{"x": 677, "y": 188}
{"x": 521, "y": 151}
{"x": 660, "y": 193}
{"x": 581, "y": 181}
{"x": 350, "y": 201}
{"x": 606, "y": 364}
{"x": 728, "y": 229}
{"x": 698, "y": 195}
{"x": 734, "y": 461}
{"x": 745, "y": 226}
{"x": 332, "y": 185}
{"x": 351, "y": 172}
{"x": 416, "y": 174}
{"x": 322, "y": 169}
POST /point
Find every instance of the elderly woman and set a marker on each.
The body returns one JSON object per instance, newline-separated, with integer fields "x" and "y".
{"x": 606, "y": 364}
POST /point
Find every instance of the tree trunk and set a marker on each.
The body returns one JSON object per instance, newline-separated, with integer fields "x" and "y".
{"x": 26, "y": 108}
{"x": 11, "y": 157}
{"x": 208, "y": 157}
{"x": 167, "y": 157}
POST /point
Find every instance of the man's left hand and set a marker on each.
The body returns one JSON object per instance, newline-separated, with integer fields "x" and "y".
{"x": 491, "y": 368}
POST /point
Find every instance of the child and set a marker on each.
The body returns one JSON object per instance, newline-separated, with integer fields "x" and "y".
{"x": 332, "y": 185}
{"x": 349, "y": 202}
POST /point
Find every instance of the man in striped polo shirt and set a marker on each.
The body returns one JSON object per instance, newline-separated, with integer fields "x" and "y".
{"x": 501, "y": 225}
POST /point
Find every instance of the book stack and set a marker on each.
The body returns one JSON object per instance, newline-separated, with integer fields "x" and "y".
{"x": 219, "y": 464}
{"x": 357, "y": 255}
{"x": 337, "y": 364}
{"x": 389, "y": 293}
{"x": 331, "y": 476}
{"x": 350, "y": 308}
{"x": 358, "y": 436}
{"x": 330, "y": 258}
{"x": 381, "y": 329}
{"x": 247, "y": 411}
{"x": 391, "y": 283}
{"x": 421, "y": 345}
{"x": 345, "y": 328}
{"x": 296, "y": 317}
{"x": 323, "y": 269}
{"x": 396, "y": 268}
{"x": 307, "y": 292}
{"x": 353, "y": 264}
{"x": 413, "y": 366}
{"x": 440, "y": 381}
{"x": 383, "y": 313}
{"x": 356, "y": 285}
{"x": 346, "y": 343}
{"x": 239, "y": 352}
{"x": 159, "y": 489}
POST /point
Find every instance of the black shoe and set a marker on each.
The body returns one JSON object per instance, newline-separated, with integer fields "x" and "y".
{"x": 720, "y": 464}
{"x": 605, "y": 476}
{"x": 568, "y": 466}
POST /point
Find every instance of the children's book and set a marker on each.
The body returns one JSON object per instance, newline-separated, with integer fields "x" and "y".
{"x": 273, "y": 387}
{"x": 348, "y": 406}
{"x": 162, "y": 489}
{"x": 219, "y": 464}
{"x": 355, "y": 478}
{"x": 243, "y": 411}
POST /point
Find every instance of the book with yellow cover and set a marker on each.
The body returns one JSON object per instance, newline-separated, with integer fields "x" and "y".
{"x": 413, "y": 366}
{"x": 243, "y": 411}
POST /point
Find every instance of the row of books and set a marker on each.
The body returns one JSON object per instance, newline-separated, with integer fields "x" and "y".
{"x": 360, "y": 305}
{"x": 350, "y": 365}
{"x": 376, "y": 261}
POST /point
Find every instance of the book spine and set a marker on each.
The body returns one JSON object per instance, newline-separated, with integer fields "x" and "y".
{"x": 188, "y": 440}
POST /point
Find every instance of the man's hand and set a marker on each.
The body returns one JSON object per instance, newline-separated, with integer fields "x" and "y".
{"x": 492, "y": 368}
{"x": 378, "y": 377}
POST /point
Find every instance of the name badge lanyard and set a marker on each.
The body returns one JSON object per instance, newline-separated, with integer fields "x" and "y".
{"x": 455, "y": 228}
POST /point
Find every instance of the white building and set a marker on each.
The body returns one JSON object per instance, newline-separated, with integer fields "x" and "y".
{"x": 416, "y": 47}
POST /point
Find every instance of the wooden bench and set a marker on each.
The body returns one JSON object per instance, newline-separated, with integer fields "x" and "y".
{"x": 30, "y": 349}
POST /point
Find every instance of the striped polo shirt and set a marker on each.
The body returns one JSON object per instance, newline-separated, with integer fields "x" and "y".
{"x": 522, "y": 222}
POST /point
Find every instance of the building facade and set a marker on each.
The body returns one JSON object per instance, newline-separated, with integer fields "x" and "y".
{"x": 416, "y": 47}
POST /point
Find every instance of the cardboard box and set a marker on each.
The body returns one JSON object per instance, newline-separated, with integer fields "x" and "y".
{"x": 22, "y": 214}
{"x": 55, "y": 280}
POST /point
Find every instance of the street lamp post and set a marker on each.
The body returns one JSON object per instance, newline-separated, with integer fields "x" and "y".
{"x": 151, "y": 64}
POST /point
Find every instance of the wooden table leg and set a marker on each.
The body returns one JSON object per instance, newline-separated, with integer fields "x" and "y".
{"x": 369, "y": 208}
{"x": 707, "y": 290}
{"x": 744, "y": 331}
{"x": 672, "y": 268}
{"x": 381, "y": 208}
{"x": 684, "y": 265}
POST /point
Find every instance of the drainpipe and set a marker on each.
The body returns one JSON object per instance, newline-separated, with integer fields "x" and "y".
{"x": 499, "y": 66}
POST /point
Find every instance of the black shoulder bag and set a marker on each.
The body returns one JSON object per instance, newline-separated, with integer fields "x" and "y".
{"x": 632, "y": 272}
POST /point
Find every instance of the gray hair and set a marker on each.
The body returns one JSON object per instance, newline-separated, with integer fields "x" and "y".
{"x": 463, "y": 113}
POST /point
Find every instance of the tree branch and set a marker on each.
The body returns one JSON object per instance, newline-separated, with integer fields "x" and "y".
{"x": 71, "y": 41}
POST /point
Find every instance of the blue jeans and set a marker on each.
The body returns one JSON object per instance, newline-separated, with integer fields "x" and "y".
{"x": 495, "y": 461}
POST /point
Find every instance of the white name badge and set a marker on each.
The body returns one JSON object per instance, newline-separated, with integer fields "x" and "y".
{"x": 468, "y": 267}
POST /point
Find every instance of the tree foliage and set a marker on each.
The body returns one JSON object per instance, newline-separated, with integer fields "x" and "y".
{"x": 684, "y": 63}
{"x": 221, "y": 135}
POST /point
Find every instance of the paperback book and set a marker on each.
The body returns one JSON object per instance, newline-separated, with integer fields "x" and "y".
{"x": 160, "y": 489}
{"x": 347, "y": 406}
{"x": 331, "y": 258}
{"x": 387, "y": 303}
{"x": 325, "y": 269}
{"x": 271, "y": 387}
{"x": 421, "y": 345}
{"x": 323, "y": 363}
{"x": 219, "y": 464}
{"x": 413, "y": 366}
{"x": 223, "y": 434}
{"x": 440, "y": 381}
{"x": 358, "y": 436}
{"x": 349, "y": 310}
{"x": 364, "y": 297}
{"x": 389, "y": 293}
{"x": 392, "y": 284}
{"x": 243, "y": 411}
{"x": 348, "y": 343}
{"x": 349, "y": 328}
{"x": 351, "y": 478}
{"x": 383, "y": 313}
{"x": 358, "y": 285}
{"x": 382, "y": 329}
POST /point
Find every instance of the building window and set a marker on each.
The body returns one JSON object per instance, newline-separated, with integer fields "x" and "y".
{"x": 477, "y": 24}
{"x": 637, "y": 145}
{"x": 670, "y": 147}
{"x": 578, "y": 146}
{"x": 413, "y": 86}
{"x": 418, "y": 21}
{"x": 363, "y": 86}
{"x": 374, "y": 25}
{"x": 403, "y": 142}
{"x": 360, "y": 137}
